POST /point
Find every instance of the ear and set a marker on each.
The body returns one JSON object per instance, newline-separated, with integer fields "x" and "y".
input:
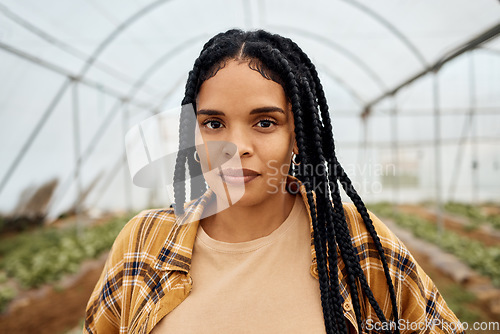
{"x": 295, "y": 147}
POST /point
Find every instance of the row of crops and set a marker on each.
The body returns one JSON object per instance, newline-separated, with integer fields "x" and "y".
{"x": 475, "y": 215}
{"x": 31, "y": 259}
{"x": 484, "y": 259}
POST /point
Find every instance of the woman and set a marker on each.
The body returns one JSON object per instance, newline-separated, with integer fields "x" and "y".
{"x": 286, "y": 255}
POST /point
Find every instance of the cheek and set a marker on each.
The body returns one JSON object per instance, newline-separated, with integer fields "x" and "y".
{"x": 276, "y": 151}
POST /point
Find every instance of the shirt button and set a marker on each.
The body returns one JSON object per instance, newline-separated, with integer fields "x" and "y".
{"x": 347, "y": 306}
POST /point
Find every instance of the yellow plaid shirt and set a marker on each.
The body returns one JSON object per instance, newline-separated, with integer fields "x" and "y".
{"x": 147, "y": 275}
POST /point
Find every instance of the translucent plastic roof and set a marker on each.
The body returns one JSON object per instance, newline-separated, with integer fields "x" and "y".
{"x": 112, "y": 58}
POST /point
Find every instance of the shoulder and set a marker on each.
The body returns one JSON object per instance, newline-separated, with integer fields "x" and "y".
{"x": 147, "y": 230}
{"x": 358, "y": 228}
{"x": 131, "y": 259}
{"x": 418, "y": 298}
{"x": 401, "y": 263}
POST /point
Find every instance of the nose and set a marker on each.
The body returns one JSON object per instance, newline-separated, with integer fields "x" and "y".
{"x": 240, "y": 141}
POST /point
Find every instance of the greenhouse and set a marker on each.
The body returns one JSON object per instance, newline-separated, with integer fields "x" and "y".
{"x": 413, "y": 90}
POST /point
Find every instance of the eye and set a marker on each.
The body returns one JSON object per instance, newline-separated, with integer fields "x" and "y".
{"x": 266, "y": 123}
{"x": 212, "y": 124}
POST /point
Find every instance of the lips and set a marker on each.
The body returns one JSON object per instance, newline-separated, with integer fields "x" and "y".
{"x": 238, "y": 176}
{"x": 239, "y": 172}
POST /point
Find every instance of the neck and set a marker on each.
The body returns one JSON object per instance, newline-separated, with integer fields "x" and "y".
{"x": 244, "y": 223}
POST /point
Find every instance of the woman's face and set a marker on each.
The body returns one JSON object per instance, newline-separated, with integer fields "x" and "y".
{"x": 239, "y": 106}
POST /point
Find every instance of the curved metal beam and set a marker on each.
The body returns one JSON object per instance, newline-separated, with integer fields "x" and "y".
{"x": 160, "y": 62}
{"x": 473, "y": 43}
{"x": 103, "y": 127}
{"x": 395, "y": 31}
{"x": 71, "y": 76}
{"x": 62, "y": 90}
{"x": 167, "y": 95}
{"x": 347, "y": 87}
{"x": 338, "y": 48}
{"x": 488, "y": 50}
{"x": 63, "y": 45}
{"x": 125, "y": 24}
{"x": 34, "y": 133}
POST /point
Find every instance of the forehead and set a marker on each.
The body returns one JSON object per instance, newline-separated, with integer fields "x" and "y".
{"x": 238, "y": 87}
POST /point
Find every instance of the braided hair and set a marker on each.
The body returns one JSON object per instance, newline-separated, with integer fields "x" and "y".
{"x": 281, "y": 60}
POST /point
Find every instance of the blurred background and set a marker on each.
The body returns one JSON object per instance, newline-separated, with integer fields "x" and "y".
{"x": 414, "y": 93}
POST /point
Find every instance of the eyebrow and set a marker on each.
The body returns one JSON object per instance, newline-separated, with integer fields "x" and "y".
{"x": 261, "y": 110}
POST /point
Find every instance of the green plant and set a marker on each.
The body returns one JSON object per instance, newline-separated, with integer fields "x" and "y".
{"x": 486, "y": 260}
{"x": 7, "y": 293}
{"x": 44, "y": 256}
{"x": 3, "y": 277}
{"x": 473, "y": 213}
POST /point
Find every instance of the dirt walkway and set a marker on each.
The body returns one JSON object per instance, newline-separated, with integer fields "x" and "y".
{"x": 454, "y": 224}
{"x": 50, "y": 311}
{"x": 453, "y": 277}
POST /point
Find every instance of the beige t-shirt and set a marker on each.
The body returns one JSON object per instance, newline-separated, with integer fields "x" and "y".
{"x": 259, "y": 286}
